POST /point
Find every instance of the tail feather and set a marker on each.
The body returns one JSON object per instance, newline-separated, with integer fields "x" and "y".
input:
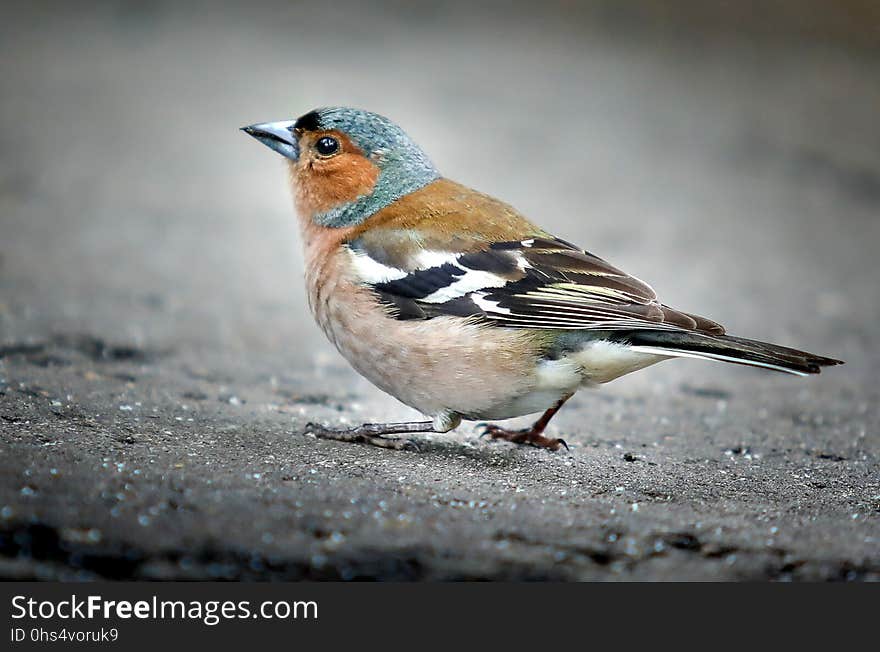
{"x": 727, "y": 348}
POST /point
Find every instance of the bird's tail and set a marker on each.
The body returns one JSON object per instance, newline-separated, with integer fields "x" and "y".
{"x": 726, "y": 348}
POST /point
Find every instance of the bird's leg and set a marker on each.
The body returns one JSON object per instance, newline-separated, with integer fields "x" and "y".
{"x": 533, "y": 436}
{"x": 374, "y": 433}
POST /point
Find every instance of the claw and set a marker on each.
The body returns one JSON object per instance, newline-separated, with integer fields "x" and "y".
{"x": 360, "y": 435}
{"x": 410, "y": 446}
{"x": 312, "y": 429}
{"x": 527, "y": 436}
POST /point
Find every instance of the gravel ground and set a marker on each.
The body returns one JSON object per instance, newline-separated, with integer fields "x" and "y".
{"x": 158, "y": 364}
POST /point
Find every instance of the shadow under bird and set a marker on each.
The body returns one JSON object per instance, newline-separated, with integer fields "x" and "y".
{"x": 457, "y": 305}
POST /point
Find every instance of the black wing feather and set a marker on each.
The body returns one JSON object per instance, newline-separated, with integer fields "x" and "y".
{"x": 537, "y": 283}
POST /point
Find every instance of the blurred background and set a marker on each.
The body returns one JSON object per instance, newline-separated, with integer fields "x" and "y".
{"x": 726, "y": 152}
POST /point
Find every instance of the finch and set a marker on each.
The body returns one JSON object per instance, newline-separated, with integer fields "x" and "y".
{"x": 458, "y": 306}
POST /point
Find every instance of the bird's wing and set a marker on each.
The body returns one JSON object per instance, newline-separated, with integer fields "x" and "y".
{"x": 541, "y": 282}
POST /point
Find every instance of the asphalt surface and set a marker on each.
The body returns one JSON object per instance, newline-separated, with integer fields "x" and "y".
{"x": 158, "y": 363}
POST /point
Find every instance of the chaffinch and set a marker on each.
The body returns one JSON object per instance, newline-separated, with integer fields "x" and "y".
{"x": 457, "y": 305}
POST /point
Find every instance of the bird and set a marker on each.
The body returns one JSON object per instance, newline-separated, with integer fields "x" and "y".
{"x": 456, "y": 304}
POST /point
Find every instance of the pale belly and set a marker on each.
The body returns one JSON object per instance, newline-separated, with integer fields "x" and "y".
{"x": 594, "y": 364}
{"x": 448, "y": 367}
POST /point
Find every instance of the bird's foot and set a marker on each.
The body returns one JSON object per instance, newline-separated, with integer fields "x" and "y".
{"x": 528, "y": 436}
{"x": 365, "y": 434}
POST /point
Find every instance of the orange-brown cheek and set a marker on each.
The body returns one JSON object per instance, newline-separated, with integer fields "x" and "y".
{"x": 324, "y": 185}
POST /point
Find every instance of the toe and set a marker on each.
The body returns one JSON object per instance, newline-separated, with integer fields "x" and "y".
{"x": 313, "y": 429}
{"x": 392, "y": 443}
{"x": 410, "y": 446}
{"x": 485, "y": 429}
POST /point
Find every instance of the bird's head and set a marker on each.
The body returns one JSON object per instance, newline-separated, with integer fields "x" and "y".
{"x": 346, "y": 164}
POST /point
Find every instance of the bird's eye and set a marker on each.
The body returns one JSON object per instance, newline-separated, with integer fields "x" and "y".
{"x": 327, "y": 146}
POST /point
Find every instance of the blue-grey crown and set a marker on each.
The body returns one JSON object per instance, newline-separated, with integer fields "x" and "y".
{"x": 403, "y": 166}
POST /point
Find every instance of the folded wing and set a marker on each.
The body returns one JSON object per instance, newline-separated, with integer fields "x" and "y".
{"x": 543, "y": 283}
